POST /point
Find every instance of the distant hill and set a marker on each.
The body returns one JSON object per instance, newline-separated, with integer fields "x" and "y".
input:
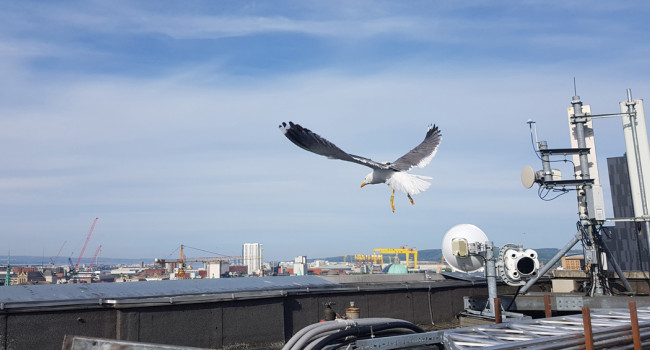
{"x": 544, "y": 255}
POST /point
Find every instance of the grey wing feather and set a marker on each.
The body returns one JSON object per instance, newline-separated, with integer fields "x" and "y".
{"x": 312, "y": 142}
{"x": 421, "y": 155}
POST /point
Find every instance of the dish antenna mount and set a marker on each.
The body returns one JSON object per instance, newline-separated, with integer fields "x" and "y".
{"x": 467, "y": 248}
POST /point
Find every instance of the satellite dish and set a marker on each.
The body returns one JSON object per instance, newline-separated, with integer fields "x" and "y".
{"x": 456, "y": 243}
{"x": 528, "y": 176}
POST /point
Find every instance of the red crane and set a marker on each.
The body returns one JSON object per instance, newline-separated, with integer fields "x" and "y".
{"x": 92, "y": 262}
{"x": 53, "y": 260}
{"x": 76, "y": 267}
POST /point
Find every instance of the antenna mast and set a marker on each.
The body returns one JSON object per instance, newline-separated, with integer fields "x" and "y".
{"x": 591, "y": 208}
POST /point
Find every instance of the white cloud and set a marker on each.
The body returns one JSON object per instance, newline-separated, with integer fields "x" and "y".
{"x": 194, "y": 155}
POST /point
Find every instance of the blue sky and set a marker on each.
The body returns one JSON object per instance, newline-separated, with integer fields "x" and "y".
{"x": 161, "y": 117}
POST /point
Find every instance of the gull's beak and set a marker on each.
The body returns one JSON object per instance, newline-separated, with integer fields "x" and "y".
{"x": 363, "y": 184}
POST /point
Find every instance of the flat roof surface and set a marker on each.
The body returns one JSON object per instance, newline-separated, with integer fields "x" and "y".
{"x": 154, "y": 289}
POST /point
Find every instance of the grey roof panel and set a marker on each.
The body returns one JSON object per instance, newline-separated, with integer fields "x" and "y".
{"x": 67, "y": 293}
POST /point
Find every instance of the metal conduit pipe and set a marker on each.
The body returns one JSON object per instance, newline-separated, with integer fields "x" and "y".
{"x": 363, "y": 330}
{"x": 301, "y": 333}
{"x": 327, "y": 328}
{"x": 622, "y": 338}
{"x": 304, "y": 335}
{"x": 314, "y": 330}
{"x": 374, "y": 331}
{"x": 604, "y": 337}
{"x": 308, "y": 344}
{"x": 320, "y": 337}
{"x": 317, "y": 338}
{"x": 610, "y": 342}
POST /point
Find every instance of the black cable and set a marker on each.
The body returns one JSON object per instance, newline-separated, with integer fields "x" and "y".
{"x": 203, "y": 250}
{"x": 607, "y": 231}
{"x": 365, "y": 331}
{"x": 585, "y": 235}
{"x": 513, "y": 298}
{"x": 563, "y": 192}
{"x": 638, "y": 228}
{"x": 600, "y": 247}
{"x": 542, "y": 195}
{"x": 532, "y": 141}
{"x": 584, "y": 240}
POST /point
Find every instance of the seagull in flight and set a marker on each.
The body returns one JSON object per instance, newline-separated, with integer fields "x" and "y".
{"x": 393, "y": 174}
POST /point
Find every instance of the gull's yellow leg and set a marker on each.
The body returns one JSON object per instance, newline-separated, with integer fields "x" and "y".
{"x": 392, "y": 197}
{"x": 411, "y": 198}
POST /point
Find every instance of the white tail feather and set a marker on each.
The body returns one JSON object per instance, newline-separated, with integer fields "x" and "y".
{"x": 409, "y": 183}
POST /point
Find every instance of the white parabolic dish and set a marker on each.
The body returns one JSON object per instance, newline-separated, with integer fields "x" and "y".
{"x": 472, "y": 234}
{"x": 528, "y": 176}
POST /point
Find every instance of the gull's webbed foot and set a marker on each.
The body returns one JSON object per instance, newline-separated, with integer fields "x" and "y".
{"x": 411, "y": 199}
{"x": 392, "y": 197}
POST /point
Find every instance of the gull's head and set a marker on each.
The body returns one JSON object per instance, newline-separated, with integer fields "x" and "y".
{"x": 368, "y": 180}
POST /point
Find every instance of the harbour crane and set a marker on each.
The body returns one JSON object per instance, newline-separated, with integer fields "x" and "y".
{"x": 402, "y": 250}
{"x": 70, "y": 263}
{"x": 180, "y": 263}
{"x": 76, "y": 266}
{"x": 92, "y": 262}
{"x": 53, "y": 260}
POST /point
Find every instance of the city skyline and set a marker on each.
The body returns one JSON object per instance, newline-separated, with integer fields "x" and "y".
{"x": 161, "y": 119}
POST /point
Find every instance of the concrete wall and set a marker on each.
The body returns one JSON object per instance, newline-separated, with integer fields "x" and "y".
{"x": 236, "y": 324}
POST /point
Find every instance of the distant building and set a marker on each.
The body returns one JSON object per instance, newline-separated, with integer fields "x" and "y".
{"x": 29, "y": 277}
{"x": 252, "y": 253}
{"x": 628, "y": 240}
{"x": 217, "y": 268}
{"x": 300, "y": 266}
{"x": 125, "y": 271}
{"x": 575, "y": 263}
{"x": 155, "y": 273}
{"x": 51, "y": 276}
{"x": 3, "y": 276}
{"x": 237, "y": 270}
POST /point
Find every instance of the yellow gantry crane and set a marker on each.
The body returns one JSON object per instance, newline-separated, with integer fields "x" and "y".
{"x": 377, "y": 256}
{"x": 402, "y": 250}
{"x": 373, "y": 259}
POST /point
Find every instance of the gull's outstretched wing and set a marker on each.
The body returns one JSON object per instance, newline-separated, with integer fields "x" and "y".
{"x": 421, "y": 155}
{"x": 312, "y": 142}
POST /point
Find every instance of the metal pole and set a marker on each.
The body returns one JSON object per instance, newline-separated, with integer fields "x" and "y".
{"x": 632, "y": 112}
{"x": 552, "y": 262}
{"x": 637, "y": 156}
{"x": 634, "y": 320}
{"x": 546, "y": 164}
{"x": 579, "y": 121}
{"x": 491, "y": 277}
{"x": 617, "y": 268}
{"x": 586, "y": 322}
{"x": 547, "y": 306}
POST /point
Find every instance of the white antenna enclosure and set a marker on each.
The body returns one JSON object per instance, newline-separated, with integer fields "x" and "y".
{"x": 456, "y": 246}
{"x": 595, "y": 202}
{"x": 644, "y": 155}
{"x": 528, "y": 176}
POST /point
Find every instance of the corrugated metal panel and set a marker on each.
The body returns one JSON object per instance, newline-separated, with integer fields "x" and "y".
{"x": 75, "y": 293}
{"x": 463, "y": 276}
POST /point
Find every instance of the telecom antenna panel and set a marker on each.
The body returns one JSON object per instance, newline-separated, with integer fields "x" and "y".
{"x": 586, "y": 183}
{"x": 637, "y": 151}
{"x": 595, "y": 204}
